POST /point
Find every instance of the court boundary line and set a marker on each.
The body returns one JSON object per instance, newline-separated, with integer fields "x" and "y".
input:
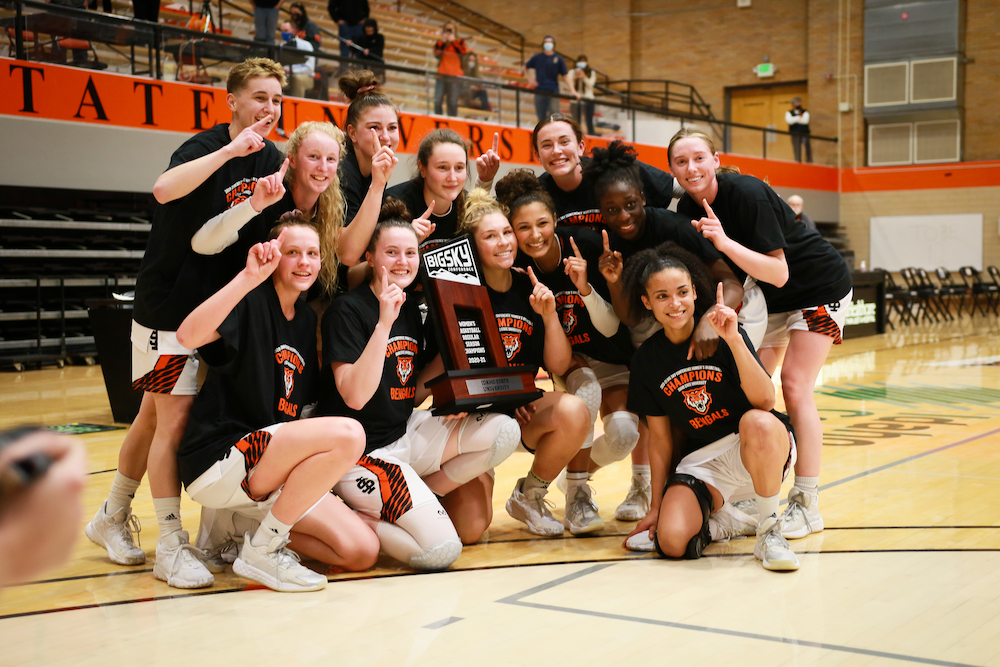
{"x": 517, "y": 600}
{"x": 633, "y": 556}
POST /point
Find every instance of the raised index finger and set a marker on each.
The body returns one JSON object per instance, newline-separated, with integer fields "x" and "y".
{"x": 430, "y": 209}
{"x": 531, "y": 275}
{"x": 496, "y": 141}
{"x": 284, "y": 168}
{"x": 576, "y": 251}
{"x": 258, "y": 127}
{"x": 718, "y": 296}
{"x": 607, "y": 243}
{"x": 708, "y": 210}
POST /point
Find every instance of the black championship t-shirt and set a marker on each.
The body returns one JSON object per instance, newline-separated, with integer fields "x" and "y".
{"x": 262, "y": 371}
{"x": 664, "y": 225}
{"x": 347, "y": 326}
{"x": 173, "y": 279}
{"x": 521, "y": 328}
{"x": 573, "y": 314}
{"x": 352, "y": 184}
{"x": 580, "y": 207}
{"x": 753, "y": 215}
{"x": 703, "y": 398}
{"x": 412, "y": 194}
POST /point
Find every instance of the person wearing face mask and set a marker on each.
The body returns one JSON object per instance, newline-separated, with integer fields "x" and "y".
{"x": 449, "y": 51}
{"x": 581, "y": 80}
{"x": 304, "y": 26}
{"x": 300, "y": 77}
{"x": 544, "y": 70}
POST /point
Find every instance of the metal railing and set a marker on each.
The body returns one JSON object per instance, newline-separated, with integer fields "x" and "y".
{"x": 412, "y": 87}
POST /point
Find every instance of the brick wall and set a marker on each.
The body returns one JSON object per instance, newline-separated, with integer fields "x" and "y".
{"x": 982, "y": 82}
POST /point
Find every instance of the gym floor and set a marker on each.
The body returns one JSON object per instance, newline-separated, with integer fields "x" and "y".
{"x": 907, "y": 570}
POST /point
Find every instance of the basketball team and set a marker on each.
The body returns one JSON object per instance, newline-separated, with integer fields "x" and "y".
{"x": 665, "y": 325}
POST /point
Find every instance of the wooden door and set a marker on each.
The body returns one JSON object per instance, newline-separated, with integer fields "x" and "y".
{"x": 763, "y": 106}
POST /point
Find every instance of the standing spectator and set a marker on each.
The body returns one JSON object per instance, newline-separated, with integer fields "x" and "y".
{"x": 449, "y": 51}
{"x": 798, "y": 124}
{"x": 544, "y": 70}
{"x": 350, "y": 16}
{"x": 582, "y": 79}
{"x": 372, "y": 44}
{"x": 795, "y": 203}
{"x": 304, "y": 26}
{"x": 301, "y": 75}
{"x": 265, "y": 19}
{"x": 474, "y": 96}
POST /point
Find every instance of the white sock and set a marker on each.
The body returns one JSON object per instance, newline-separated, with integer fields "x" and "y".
{"x": 269, "y": 529}
{"x": 808, "y": 484}
{"x": 641, "y": 471}
{"x": 576, "y": 478}
{"x": 122, "y": 492}
{"x": 533, "y": 481}
{"x": 168, "y": 515}
{"x": 768, "y": 506}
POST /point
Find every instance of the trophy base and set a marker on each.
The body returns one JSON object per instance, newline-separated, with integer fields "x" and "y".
{"x": 483, "y": 390}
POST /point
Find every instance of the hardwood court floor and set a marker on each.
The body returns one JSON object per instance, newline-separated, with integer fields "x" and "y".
{"x": 907, "y": 570}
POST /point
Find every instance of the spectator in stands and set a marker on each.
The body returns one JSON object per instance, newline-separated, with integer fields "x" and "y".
{"x": 304, "y": 26}
{"x": 795, "y": 203}
{"x": 350, "y": 16}
{"x": 372, "y": 44}
{"x": 449, "y": 51}
{"x": 544, "y": 72}
{"x": 798, "y": 124}
{"x": 265, "y": 19}
{"x": 473, "y": 95}
{"x": 582, "y": 79}
{"x": 301, "y": 75}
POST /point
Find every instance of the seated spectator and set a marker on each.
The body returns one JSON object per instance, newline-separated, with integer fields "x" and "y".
{"x": 796, "y": 204}
{"x": 474, "y": 96}
{"x": 300, "y": 77}
{"x": 305, "y": 28}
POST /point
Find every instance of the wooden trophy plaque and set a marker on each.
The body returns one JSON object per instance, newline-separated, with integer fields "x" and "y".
{"x": 477, "y": 376}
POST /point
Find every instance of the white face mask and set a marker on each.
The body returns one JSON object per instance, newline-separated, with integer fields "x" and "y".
{"x": 549, "y": 47}
{"x": 582, "y": 64}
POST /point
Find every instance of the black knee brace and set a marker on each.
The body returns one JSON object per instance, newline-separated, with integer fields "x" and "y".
{"x": 704, "y": 537}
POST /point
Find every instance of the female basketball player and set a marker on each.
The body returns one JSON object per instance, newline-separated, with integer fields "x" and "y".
{"x": 244, "y": 440}
{"x": 804, "y": 280}
{"x": 560, "y": 148}
{"x": 373, "y": 371}
{"x": 723, "y": 404}
{"x": 555, "y": 426}
{"x": 439, "y": 186}
{"x": 565, "y": 260}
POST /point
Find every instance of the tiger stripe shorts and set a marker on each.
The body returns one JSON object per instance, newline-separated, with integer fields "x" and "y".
{"x": 161, "y": 365}
{"x": 827, "y": 319}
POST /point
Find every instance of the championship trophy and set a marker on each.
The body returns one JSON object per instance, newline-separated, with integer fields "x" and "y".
{"x": 477, "y": 376}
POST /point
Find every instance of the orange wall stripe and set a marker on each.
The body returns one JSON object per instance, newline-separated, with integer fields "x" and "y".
{"x": 922, "y": 177}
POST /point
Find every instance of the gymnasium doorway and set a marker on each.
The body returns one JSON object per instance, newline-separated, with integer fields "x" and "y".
{"x": 762, "y": 106}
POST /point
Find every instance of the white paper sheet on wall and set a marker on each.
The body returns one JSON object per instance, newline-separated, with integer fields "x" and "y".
{"x": 927, "y": 241}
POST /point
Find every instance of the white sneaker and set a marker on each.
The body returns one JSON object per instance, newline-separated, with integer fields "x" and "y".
{"x": 581, "y": 511}
{"x": 729, "y": 523}
{"x": 179, "y": 564}
{"x": 276, "y": 567}
{"x": 640, "y": 542}
{"x": 801, "y": 517}
{"x": 748, "y": 507}
{"x": 114, "y": 533}
{"x": 220, "y": 536}
{"x": 772, "y": 550}
{"x": 560, "y": 482}
{"x": 533, "y": 509}
{"x": 636, "y": 503}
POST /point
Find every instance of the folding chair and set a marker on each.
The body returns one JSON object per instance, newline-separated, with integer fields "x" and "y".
{"x": 951, "y": 289}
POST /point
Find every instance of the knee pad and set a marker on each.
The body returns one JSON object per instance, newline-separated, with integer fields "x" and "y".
{"x": 494, "y": 436}
{"x": 583, "y": 383}
{"x": 437, "y": 557}
{"x": 704, "y": 537}
{"x": 621, "y": 433}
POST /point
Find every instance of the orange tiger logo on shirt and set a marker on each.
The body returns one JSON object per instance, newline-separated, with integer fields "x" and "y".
{"x": 698, "y": 399}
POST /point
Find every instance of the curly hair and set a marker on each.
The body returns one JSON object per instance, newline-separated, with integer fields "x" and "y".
{"x": 668, "y": 255}
{"x": 618, "y": 163}
{"x": 329, "y": 214}
{"x": 479, "y": 204}
{"x": 520, "y": 188}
